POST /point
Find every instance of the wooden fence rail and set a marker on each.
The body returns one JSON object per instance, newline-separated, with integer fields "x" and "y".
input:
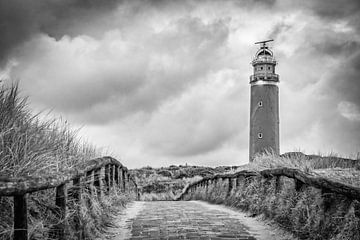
{"x": 300, "y": 178}
{"x": 115, "y": 175}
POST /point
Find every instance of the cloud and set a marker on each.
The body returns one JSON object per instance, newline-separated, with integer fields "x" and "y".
{"x": 335, "y": 9}
{"x": 108, "y": 78}
{"x": 161, "y": 82}
{"x": 201, "y": 120}
{"x": 349, "y": 110}
{"x": 20, "y": 20}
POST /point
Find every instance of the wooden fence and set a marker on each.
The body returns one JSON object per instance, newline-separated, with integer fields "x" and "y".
{"x": 90, "y": 173}
{"x": 300, "y": 178}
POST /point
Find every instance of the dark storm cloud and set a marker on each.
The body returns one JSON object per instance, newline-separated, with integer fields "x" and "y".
{"x": 19, "y": 20}
{"x": 337, "y": 47}
{"x": 333, "y": 9}
{"x": 255, "y": 3}
{"x": 342, "y": 44}
{"x": 344, "y": 83}
{"x": 337, "y": 37}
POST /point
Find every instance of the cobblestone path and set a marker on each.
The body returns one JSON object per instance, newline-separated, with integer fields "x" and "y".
{"x": 187, "y": 220}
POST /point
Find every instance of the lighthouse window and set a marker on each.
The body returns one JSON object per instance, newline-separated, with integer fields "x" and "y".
{"x": 260, "y": 103}
{"x": 269, "y": 68}
{"x": 261, "y": 68}
{"x": 260, "y": 135}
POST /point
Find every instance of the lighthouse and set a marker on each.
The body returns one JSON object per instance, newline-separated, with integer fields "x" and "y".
{"x": 264, "y": 103}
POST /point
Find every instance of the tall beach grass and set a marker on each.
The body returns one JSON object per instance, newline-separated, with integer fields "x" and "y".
{"x": 308, "y": 212}
{"x": 30, "y": 146}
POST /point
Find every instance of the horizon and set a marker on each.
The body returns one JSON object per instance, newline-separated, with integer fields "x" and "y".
{"x": 158, "y": 83}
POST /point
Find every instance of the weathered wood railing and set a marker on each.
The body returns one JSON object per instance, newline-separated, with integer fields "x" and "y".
{"x": 90, "y": 173}
{"x": 310, "y": 206}
{"x": 300, "y": 178}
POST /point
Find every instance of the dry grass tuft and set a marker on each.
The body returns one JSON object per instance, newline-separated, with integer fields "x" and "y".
{"x": 339, "y": 169}
{"x": 30, "y": 146}
{"x": 269, "y": 160}
{"x": 308, "y": 212}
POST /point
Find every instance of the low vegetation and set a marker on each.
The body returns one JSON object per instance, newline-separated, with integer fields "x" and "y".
{"x": 306, "y": 211}
{"x": 33, "y": 147}
{"x": 167, "y": 182}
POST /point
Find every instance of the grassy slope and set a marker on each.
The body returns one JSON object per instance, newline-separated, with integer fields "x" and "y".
{"x": 167, "y": 182}
{"x": 29, "y": 146}
{"x": 308, "y": 213}
{"x": 336, "y": 168}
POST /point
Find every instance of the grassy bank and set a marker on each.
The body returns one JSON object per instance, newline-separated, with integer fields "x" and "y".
{"x": 33, "y": 147}
{"x": 167, "y": 182}
{"x": 308, "y": 212}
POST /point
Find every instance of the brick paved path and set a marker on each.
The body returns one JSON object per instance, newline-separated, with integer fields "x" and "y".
{"x": 186, "y": 220}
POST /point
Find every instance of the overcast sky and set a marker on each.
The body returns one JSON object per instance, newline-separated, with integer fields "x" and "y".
{"x": 167, "y": 82}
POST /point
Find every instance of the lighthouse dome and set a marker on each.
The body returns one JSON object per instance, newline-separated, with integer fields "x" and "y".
{"x": 264, "y": 56}
{"x": 264, "y": 52}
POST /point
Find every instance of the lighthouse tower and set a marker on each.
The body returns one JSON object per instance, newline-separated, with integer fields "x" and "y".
{"x": 264, "y": 106}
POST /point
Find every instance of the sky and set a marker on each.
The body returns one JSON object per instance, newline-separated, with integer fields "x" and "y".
{"x": 156, "y": 83}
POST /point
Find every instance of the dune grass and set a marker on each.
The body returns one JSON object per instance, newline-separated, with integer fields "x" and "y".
{"x": 340, "y": 169}
{"x": 165, "y": 183}
{"x": 309, "y": 213}
{"x": 30, "y": 146}
{"x": 305, "y": 213}
{"x": 301, "y": 161}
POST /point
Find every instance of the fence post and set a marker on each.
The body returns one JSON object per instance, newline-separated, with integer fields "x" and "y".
{"x": 277, "y": 184}
{"x": 111, "y": 177}
{"x": 60, "y": 202}
{"x": 238, "y": 181}
{"x": 128, "y": 179}
{"x": 298, "y": 185}
{"x": 206, "y": 187}
{"x": 20, "y": 217}
{"x": 230, "y": 186}
{"x": 97, "y": 182}
{"x": 116, "y": 175}
{"x": 121, "y": 179}
{"x": 107, "y": 177}
{"x": 77, "y": 198}
{"x": 127, "y": 182}
{"x": 137, "y": 193}
{"x": 124, "y": 180}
